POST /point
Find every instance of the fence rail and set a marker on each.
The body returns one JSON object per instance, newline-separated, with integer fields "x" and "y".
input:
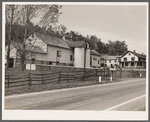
{"x": 51, "y": 77}
{"x": 58, "y": 77}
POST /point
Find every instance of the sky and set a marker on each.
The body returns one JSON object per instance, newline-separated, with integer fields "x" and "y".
{"x": 109, "y": 22}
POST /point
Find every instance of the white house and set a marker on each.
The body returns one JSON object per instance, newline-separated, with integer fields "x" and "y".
{"x": 94, "y": 59}
{"x": 133, "y": 60}
{"x": 49, "y": 50}
{"x": 110, "y": 61}
{"x": 33, "y": 54}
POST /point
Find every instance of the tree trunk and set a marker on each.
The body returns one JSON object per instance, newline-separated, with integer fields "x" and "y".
{"x": 22, "y": 63}
{"x": 8, "y": 51}
{"x": 24, "y": 45}
{"x": 8, "y": 54}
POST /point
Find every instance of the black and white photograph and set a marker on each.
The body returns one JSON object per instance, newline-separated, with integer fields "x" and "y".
{"x": 75, "y": 60}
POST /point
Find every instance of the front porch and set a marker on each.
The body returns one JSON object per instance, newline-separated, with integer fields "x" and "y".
{"x": 133, "y": 65}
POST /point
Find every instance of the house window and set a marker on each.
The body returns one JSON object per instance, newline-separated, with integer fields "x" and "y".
{"x": 94, "y": 59}
{"x": 132, "y": 63}
{"x": 58, "y": 53}
{"x": 129, "y": 53}
{"x": 33, "y": 61}
{"x": 70, "y": 57}
{"x": 126, "y": 63}
{"x": 102, "y": 64}
{"x": 50, "y": 63}
{"x": 125, "y": 59}
{"x": 42, "y": 62}
{"x": 132, "y": 58}
{"x": 139, "y": 63}
{"x": 98, "y": 61}
{"x": 109, "y": 61}
{"x": 101, "y": 59}
{"x": 90, "y": 61}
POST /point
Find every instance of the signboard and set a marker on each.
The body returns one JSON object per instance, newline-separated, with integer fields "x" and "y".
{"x": 112, "y": 69}
{"x": 30, "y": 67}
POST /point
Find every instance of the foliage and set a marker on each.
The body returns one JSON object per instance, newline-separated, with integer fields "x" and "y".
{"x": 27, "y": 19}
{"x": 117, "y": 47}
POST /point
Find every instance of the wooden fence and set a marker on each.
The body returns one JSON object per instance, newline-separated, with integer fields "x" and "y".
{"x": 60, "y": 77}
{"x": 52, "y": 77}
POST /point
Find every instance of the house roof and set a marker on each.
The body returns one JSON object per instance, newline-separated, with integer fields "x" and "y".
{"x": 54, "y": 41}
{"x": 105, "y": 56}
{"x": 94, "y": 52}
{"x": 28, "y": 48}
{"x": 76, "y": 44}
{"x": 137, "y": 54}
{"x": 50, "y": 40}
{"x": 118, "y": 56}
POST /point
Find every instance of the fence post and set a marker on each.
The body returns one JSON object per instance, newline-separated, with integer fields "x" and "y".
{"x": 120, "y": 72}
{"x": 29, "y": 79}
{"x": 108, "y": 72}
{"x": 96, "y": 73}
{"x": 8, "y": 80}
{"x": 112, "y": 74}
{"x": 59, "y": 78}
{"x": 104, "y": 73}
{"x": 67, "y": 77}
{"x": 42, "y": 78}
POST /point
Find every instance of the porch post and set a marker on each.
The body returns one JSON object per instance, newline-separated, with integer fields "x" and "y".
{"x": 14, "y": 62}
{"x": 129, "y": 64}
{"x": 135, "y": 65}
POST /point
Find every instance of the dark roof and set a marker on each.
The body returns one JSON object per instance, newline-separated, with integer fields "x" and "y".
{"x": 76, "y": 44}
{"x": 108, "y": 57}
{"x": 54, "y": 41}
{"x": 94, "y": 52}
{"x": 50, "y": 40}
{"x": 28, "y": 48}
{"x": 137, "y": 54}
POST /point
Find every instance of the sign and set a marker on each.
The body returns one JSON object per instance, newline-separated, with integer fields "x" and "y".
{"x": 112, "y": 69}
{"x": 30, "y": 66}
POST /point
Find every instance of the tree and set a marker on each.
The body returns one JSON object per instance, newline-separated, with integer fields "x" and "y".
{"x": 117, "y": 47}
{"x": 92, "y": 40}
{"x": 9, "y": 20}
{"x": 30, "y": 18}
{"x": 102, "y": 47}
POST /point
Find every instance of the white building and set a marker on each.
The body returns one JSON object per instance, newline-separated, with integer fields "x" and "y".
{"x": 133, "y": 60}
{"x": 49, "y": 50}
{"x": 110, "y": 61}
{"x": 94, "y": 59}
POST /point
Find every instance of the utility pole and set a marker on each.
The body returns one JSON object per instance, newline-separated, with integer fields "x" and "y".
{"x": 84, "y": 59}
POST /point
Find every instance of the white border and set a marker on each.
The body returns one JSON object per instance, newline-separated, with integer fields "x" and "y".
{"x": 82, "y": 3}
{"x": 71, "y": 115}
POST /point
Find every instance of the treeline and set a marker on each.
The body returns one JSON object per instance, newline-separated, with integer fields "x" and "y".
{"x": 111, "y": 48}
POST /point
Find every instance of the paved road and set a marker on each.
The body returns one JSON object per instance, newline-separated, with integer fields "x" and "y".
{"x": 99, "y": 97}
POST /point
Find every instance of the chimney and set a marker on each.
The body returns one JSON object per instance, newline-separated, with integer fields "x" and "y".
{"x": 134, "y": 51}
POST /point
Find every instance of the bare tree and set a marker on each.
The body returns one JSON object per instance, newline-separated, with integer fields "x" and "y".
{"x": 41, "y": 15}
{"x": 9, "y": 20}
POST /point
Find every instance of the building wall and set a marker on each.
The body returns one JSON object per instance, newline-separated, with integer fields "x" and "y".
{"x": 87, "y": 58}
{"x": 12, "y": 60}
{"x": 95, "y": 61}
{"x": 65, "y": 55}
{"x": 12, "y": 51}
{"x": 129, "y": 57}
{"x": 37, "y": 42}
{"x": 110, "y": 61}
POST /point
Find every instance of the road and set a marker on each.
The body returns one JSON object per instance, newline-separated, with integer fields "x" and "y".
{"x": 96, "y": 97}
